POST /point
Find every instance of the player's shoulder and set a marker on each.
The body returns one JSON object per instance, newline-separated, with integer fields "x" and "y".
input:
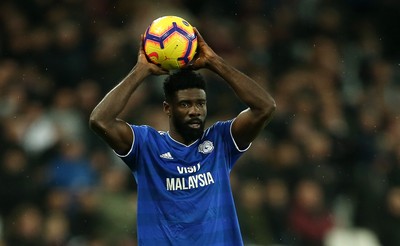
{"x": 219, "y": 126}
{"x": 148, "y": 131}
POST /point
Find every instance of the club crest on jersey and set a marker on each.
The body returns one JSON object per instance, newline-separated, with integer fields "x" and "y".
{"x": 206, "y": 147}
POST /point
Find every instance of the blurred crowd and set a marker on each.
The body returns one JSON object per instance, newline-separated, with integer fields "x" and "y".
{"x": 325, "y": 171}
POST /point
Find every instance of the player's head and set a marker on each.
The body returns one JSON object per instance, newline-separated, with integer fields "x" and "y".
{"x": 185, "y": 103}
{"x": 180, "y": 80}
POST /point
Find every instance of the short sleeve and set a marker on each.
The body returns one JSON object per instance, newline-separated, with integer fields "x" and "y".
{"x": 230, "y": 149}
{"x": 225, "y": 127}
{"x": 140, "y": 134}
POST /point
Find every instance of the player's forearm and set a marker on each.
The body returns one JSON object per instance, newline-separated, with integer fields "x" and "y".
{"x": 248, "y": 91}
{"x": 114, "y": 102}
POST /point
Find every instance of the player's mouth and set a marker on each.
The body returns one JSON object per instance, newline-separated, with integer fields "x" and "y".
{"x": 195, "y": 124}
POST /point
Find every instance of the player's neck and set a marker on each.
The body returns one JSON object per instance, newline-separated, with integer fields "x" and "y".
{"x": 176, "y": 136}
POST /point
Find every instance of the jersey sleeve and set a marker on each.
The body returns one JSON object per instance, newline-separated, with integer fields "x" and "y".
{"x": 225, "y": 128}
{"x": 230, "y": 147}
{"x": 140, "y": 134}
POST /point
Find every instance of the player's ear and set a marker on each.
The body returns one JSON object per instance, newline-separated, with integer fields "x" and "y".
{"x": 167, "y": 108}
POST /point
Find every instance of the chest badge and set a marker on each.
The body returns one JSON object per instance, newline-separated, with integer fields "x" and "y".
{"x": 206, "y": 147}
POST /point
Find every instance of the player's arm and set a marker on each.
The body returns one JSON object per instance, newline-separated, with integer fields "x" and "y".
{"x": 104, "y": 118}
{"x": 261, "y": 105}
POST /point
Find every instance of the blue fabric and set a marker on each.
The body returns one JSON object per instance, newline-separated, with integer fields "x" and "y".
{"x": 184, "y": 194}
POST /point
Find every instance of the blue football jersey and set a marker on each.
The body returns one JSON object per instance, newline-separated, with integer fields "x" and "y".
{"x": 184, "y": 193}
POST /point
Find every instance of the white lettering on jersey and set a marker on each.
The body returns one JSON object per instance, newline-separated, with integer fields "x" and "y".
{"x": 192, "y": 169}
{"x": 190, "y": 182}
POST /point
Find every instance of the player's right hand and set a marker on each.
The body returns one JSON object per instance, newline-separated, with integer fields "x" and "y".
{"x": 144, "y": 63}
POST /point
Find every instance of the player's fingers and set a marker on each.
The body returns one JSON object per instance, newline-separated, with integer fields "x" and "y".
{"x": 141, "y": 41}
{"x": 141, "y": 46}
{"x": 199, "y": 37}
{"x": 161, "y": 71}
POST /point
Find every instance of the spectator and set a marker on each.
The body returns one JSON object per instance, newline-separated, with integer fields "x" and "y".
{"x": 389, "y": 225}
{"x": 309, "y": 218}
{"x": 24, "y": 226}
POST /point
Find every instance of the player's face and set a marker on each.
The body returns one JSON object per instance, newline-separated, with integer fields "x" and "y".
{"x": 188, "y": 113}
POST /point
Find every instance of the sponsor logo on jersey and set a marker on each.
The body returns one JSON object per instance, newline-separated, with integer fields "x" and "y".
{"x": 196, "y": 179}
{"x": 190, "y": 182}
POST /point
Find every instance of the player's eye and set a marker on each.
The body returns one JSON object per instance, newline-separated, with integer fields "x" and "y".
{"x": 184, "y": 104}
{"x": 202, "y": 103}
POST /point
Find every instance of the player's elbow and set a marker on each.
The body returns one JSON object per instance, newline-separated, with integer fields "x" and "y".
{"x": 93, "y": 122}
{"x": 268, "y": 109}
{"x": 96, "y": 123}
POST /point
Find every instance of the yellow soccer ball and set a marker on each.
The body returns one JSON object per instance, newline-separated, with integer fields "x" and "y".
{"x": 170, "y": 42}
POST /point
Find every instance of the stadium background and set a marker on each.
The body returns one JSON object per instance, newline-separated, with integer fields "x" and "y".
{"x": 326, "y": 171}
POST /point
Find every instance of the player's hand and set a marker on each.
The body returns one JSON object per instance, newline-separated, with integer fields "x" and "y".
{"x": 144, "y": 63}
{"x": 204, "y": 54}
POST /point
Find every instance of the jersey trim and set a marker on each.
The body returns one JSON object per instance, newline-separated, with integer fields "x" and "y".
{"x": 230, "y": 132}
{"x": 133, "y": 141}
{"x": 180, "y": 142}
{"x": 233, "y": 139}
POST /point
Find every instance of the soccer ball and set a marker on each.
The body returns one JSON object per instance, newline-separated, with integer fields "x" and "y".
{"x": 170, "y": 42}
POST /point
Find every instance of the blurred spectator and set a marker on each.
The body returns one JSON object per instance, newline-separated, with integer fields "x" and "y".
{"x": 24, "y": 226}
{"x": 85, "y": 217}
{"x": 66, "y": 115}
{"x": 56, "y": 229}
{"x": 38, "y": 132}
{"x": 254, "y": 227}
{"x": 276, "y": 204}
{"x": 117, "y": 207}
{"x": 88, "y": 94}
{"x": 309, "y": 218}
{"x": 344, "y": 232}
{"x": 70, "y": 169}
{"x": 17, "y": 186}
{"x": 355, "y": 237}
{"x": 389, "y": 224}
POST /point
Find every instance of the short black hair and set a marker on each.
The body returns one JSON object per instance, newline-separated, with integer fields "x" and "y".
{"x": 181, "y": 80}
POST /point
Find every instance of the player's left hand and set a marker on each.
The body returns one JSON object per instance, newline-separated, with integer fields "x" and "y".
{"x": 204, "y": 54}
